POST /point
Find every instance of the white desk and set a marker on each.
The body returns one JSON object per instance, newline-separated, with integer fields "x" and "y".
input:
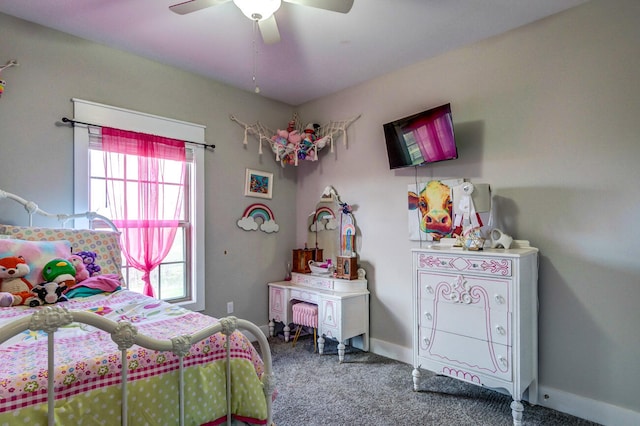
{"x": 343, "y": 308}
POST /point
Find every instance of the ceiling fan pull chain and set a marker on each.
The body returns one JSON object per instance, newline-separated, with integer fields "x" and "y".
{"x": 255, "y": 56}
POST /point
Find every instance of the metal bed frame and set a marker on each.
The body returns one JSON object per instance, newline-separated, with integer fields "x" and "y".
{"x": 125, "y": 335}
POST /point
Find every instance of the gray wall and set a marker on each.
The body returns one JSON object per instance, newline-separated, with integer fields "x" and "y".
{"x": 37, "y": 155}
{"x": 548, "y": 115}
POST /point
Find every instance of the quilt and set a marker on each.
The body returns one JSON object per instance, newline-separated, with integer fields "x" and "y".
{"x": 87, "y": 374}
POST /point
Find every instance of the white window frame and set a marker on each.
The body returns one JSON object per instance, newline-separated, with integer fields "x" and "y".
{"x": 120, "y": 118}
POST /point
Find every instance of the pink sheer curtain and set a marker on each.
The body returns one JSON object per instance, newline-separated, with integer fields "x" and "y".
{"x": 145, "y": 190}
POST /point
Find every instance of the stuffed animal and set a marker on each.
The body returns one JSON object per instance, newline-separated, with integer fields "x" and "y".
{"x": 310, "y": 132}
{"x": 89, "y": 258}
{"x": 6, "y": 299}
{"x": 48, "y": 293}
{"x": 81, "y": 271}
{"x": 60, "y": 271}
{"x": 279, "y": 144}
{"x": 13, "y": 270}
{"x": 294, "y": 137}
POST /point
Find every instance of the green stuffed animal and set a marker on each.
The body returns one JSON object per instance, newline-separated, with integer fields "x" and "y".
{"x": 60, "y": 271}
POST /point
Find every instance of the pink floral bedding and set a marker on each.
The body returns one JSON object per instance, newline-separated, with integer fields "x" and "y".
{"x": 87, "y": 359}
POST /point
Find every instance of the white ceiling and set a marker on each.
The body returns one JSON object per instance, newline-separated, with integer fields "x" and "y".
{"x": 320, "y": 52}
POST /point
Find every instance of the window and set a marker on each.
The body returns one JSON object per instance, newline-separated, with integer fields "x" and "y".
{"x": 180, "y": 276}
{"x": 171, "y": 279}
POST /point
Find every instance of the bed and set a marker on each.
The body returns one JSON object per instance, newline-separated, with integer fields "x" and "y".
{"x": 110, "y": 356}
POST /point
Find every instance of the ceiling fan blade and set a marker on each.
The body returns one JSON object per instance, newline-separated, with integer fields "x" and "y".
{"x": 194, "y": 5}
{"x": 342, "y": 6}
{"x": 269, "y": 30}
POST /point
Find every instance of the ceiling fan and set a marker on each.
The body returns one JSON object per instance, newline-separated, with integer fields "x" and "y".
{"x": 261, "y": 11}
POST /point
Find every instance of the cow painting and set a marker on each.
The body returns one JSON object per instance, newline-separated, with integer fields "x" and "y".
{"x": 433, "y": 207}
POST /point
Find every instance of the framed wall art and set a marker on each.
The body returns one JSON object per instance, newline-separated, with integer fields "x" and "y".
{"x": 258, "y": 184}
{"x": 431, "y": 209}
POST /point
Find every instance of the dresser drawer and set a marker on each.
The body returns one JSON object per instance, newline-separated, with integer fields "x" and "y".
{"x": 488, "y": 293}
{"x": 479, "y": 265}
{"x": 485, "y": 358}
{"x": 467, "y": 320}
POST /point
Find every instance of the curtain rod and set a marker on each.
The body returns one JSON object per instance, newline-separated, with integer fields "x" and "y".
{"x": 74, "y": 122}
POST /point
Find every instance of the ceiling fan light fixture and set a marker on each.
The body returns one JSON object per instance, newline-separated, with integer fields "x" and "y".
{"x": 258, "y": 10}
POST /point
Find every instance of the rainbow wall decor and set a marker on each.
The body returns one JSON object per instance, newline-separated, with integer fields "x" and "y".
{"x": 263, "y": 213}
{"x": 321, "y": 215}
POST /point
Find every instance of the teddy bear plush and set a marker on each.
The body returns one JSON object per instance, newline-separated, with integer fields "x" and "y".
{"x": 82, "y": 273}
{"x": 13, "y": 270}
{"x": 90, "y": 264}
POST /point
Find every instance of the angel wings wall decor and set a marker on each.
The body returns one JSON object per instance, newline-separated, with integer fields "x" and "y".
{"x": 296, "y": 142}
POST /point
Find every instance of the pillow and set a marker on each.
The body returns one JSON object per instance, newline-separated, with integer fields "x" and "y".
{"x": 106, "y": 244}
{"x": 35, "y": 253}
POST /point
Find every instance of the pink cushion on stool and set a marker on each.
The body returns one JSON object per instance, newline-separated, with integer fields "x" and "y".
{"x": 305, "y": 314}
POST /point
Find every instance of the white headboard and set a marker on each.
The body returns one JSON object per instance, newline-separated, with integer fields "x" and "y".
{"x": 32, "y": 208}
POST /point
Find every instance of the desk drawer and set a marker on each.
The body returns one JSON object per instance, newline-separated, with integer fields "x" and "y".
{"x": 277, "y": 304}
{"x": 304, "y": 296}
{"x": 330, "y": 322}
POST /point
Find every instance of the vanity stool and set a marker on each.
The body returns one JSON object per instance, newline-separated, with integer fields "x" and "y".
{"x": 305, "y": 315}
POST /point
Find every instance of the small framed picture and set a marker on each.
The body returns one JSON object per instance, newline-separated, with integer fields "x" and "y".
{"x": 258, "y": 184}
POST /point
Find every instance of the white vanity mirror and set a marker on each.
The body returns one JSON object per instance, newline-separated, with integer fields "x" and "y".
{"x": 331, "y": 228}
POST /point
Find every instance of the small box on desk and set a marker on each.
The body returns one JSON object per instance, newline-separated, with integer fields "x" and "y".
{"x": 347, "y": 267}
{"x": 301, "y": 258}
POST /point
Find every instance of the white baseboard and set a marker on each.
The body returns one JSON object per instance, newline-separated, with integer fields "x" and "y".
{"x": 565, "y": 402}
{"x": 586, "y": 408}
{"x": 391, "y": 350}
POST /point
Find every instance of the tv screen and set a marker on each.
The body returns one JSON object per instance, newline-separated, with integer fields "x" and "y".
{"x": 421, "y": 138}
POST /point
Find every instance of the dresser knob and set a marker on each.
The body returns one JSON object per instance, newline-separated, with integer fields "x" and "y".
{"x": 426, "y": 341}
{"x": 502, "y": 360}
{"x": 429, "y": 289}
{"x": 499, "y": 299}
{"x": 500, "y": 329}
{"x": 428, "y": 316}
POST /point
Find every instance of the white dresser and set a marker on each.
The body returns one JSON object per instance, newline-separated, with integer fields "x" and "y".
{"x": 343, "y": 308}
{"x": 476, "y": 318}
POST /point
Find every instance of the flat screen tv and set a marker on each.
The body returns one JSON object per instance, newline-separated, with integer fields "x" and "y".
{"x": 422, "y": 138}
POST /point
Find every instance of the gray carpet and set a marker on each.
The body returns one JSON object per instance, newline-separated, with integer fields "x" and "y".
{"x": 369, "y": 389}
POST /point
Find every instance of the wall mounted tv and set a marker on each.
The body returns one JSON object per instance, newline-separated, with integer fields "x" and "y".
{"x": 422, "y": 138}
